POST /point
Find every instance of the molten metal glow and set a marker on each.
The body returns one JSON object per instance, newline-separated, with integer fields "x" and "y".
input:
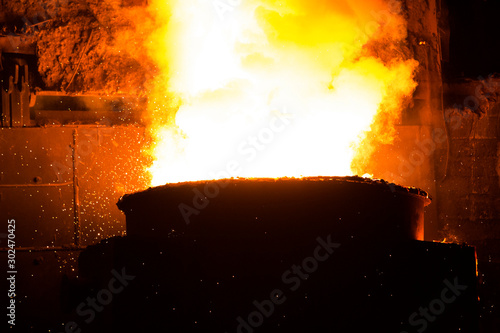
{"x": 268, "y": 88}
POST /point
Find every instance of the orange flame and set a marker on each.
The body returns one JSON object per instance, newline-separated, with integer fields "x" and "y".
{"x": 268, "y": 88}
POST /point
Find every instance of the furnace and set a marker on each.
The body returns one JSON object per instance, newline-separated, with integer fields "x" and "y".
{"x": 348, "y": 206}
{"x": 291, "y": 255}
{"x": 224, "y": 160}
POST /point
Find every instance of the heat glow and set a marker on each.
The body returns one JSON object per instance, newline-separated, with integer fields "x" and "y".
{"x": 263, "y": 88}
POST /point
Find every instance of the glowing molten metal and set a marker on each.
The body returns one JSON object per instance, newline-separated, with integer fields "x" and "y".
{"x": 266, "y": 88}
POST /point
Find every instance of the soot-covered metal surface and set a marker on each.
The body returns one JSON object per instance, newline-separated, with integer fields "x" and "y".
{"x": 350, "y": 206}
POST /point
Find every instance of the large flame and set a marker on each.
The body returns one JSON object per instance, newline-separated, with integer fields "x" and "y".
{"x": 268, "y": 88}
